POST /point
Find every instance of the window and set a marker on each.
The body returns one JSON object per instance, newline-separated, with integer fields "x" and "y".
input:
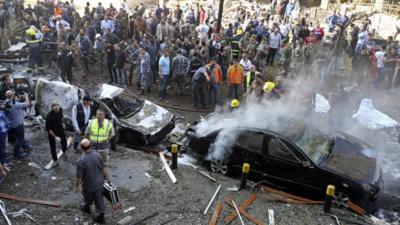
{"x": 251, "y": 140}
{"x": 278, "y": 149}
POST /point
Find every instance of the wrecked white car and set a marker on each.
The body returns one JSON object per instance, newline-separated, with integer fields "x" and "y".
{"x": 137, "y": 122}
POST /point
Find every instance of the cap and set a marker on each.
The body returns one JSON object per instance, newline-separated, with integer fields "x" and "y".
{"x": 98, "y": 36}
{"x": 55, "y": 103}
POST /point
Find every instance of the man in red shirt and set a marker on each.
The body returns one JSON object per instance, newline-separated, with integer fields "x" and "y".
{"x": 318, "y": 32}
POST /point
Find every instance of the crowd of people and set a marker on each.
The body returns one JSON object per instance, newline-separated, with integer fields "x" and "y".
{"x": 255, "y": 51}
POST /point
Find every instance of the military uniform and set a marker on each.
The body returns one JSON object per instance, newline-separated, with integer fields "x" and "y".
{"x": 180, "y": 69}
{"x": 145, "y": 77}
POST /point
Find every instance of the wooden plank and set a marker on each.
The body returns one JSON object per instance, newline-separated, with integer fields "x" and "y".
{"x": 29, "y": 200}
{"x": 212, "y": 199}
{"x": 59, "y": 154}
{"x": 217, "y": 211}
{"x": 228, "y": 200}
{"x": 244, "y": 205}
{"x": 169, "y": 171}
{"x": 271, "y": 217}
{"x": 356, "y": 208}
{"x": 290, "y": 196}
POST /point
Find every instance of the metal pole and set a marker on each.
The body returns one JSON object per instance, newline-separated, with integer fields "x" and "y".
{"x": 220, "y": 10}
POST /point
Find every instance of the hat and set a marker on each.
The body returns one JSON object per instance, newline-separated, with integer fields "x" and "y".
{"x": 87, "y": 98}
{"x": 235, "y": 103}
{"x": 98, "y": 36}
{"x": 268, "y": 86}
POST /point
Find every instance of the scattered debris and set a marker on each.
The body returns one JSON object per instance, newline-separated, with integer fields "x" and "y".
{"x": 243, "y": 206}
{"x": 217, "y": 211}
{"x": 321, "y": 104}
{"x": 29, "y": 200}
{"x": 22, "y": 212}
{"x": 129, "y": 209}
{"x": 34, "y": 165}
{"x": 125, "y": 220}
{"x": 271, "y": 217}
{"x": 206, "y": 174}
{"x": 59, "y": 154}
{"x": 53, "y": 177}
{"x": 169, "y": 171}
{"x": 168, "y": 221}
{"x": 212, "y": 199}
{"x": 233, "y": 189}
{"x": 243, "y": 212}
{"x": 148, "y": 175}
{"x": 4, "y": 212}
{"x": 237, "y": 211}
{"x": 336, "y": 218}
{"x": 17, "y": 47}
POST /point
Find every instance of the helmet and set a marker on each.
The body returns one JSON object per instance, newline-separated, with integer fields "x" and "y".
{"x": 235, "y": 103}
{"x": 31, "y": 32}
{"x": 98, "y": 36}
{"x": 268, "y": 86}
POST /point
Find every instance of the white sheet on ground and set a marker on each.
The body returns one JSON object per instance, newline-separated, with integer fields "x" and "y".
{"x": 372, "y": 118}
{"x": 321, "y": 104}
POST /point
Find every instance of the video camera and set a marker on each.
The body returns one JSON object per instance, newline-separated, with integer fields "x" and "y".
{"x": 5, "y": 105}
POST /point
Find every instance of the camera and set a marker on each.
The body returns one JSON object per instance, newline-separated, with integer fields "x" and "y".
{"x": 6, "y": 105}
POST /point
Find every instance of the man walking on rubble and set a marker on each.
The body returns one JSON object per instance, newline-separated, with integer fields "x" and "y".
{"x": 180, "y": 67}
{"x": 100, "y": 131}
{"x": 55, "y": 129}
{"x": 90, "y": 174}
{"x": 81, "y": 114}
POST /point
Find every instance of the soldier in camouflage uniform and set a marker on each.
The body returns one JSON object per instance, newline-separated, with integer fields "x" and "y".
{"x": 132, "y": 51}
{"x": 309, "y": 55}
{"x": 286, "y": 57}
{"x": 145, "y": 74}
{"x": 244, "y": 41}
{"x": 252, "y": 47}
{"x": 261, "y": 54}
{"x": 180, "y": 67}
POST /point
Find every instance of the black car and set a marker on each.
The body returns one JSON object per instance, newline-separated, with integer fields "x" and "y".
{"x": 297, "y": 158}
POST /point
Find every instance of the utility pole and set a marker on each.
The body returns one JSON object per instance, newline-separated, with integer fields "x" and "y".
{"x": 220, "y": 10}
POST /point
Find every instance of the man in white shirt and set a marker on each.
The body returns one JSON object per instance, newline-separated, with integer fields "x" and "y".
{"x": 246, "y": 65}
{"x": 81, "y": 114}
{"x": 380, "y": 60}
{"x": 274, "y": 43}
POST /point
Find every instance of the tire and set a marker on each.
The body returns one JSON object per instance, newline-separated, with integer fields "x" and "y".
{"x": 218, "y": 166}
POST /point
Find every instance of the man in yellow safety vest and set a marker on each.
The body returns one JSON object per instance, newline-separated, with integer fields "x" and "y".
{"x": 100, "y": 131}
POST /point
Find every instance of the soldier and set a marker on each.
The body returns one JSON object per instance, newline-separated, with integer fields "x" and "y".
{"x": 180, "y": 68}
{"x": 286, "y": 55}
{"x": 252, "y": 47}
{"x": 132, "y": 52}
{"x": 144, "y": 71}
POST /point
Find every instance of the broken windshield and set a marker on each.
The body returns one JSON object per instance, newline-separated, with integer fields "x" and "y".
{"x": 123, "y": 106}
{"x": 315, "y": 144}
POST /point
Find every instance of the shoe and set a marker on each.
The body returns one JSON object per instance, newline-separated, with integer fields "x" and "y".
{"x": 54, "y": 164}
{"x": 99, "y": 219}
{"x": 86, "y": 209}
{"x": 21, "y": 155}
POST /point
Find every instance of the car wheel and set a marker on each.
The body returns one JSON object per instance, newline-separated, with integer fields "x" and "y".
{"x": 341, "y": 199}
{"x": 219, "y": 166}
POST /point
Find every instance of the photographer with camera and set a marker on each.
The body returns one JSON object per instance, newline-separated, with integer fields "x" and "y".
{"x": 15, "y": 118}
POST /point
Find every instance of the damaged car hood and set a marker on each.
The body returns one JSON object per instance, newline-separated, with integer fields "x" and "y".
{"x": 150, "y": 119}
{"x": 351, "y": 158}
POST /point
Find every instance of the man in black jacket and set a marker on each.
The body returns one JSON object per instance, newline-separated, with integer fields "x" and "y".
{"x": 65, "y": 62}
{"x": 81, "y": 114}
{"x": 55, "y": 129}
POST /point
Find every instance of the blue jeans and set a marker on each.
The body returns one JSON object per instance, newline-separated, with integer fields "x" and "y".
{"x": 163, "y": 86}
{"x": 216, "y": 90}
{"x": 19, "y": 132}
{"x": 121, "y": 76}
{"x": 380, "y": 76}
{"x": 3, "y": 147}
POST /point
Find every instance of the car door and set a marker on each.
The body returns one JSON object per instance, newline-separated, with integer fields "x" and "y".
{"x": 248, "y": 148}
{"x": 287, "y": 168}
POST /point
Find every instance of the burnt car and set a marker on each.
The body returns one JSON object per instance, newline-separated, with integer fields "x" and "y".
{"x": 136, "y": 121}
{"x": 298, "y": 158}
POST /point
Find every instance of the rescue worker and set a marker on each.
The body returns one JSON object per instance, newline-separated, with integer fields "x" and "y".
{"x": 251, "y": 76}
{"x": 235, "y": 103}
{"x": 100, "y": 131}
{"x": 55, "y": 129}
{"x": 180, "y": 67}
{"x": 34, "y": 41}
{"x": 199, "y": 86}
{"x": 145, "y": 74}
{"x": 81, "y": 114}
{"x": 90, "y": 174}
{"x": 215, "y": 82}
{"x": 235, "y": 77}
{"x": 268, "y": 89}
{"x": 65, "y": 62}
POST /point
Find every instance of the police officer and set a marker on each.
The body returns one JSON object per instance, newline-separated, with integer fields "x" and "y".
{"x": 81, "y": 114}
{"x": 180, "y": 67}
{"x": 145, "y": 74}
{"x": 199, "y": 86}
{"x": 90, "y": 174}
{"x": 65, "y": 62}
{"x": 100, "y": 131}
{"x": 34, "y": 41}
